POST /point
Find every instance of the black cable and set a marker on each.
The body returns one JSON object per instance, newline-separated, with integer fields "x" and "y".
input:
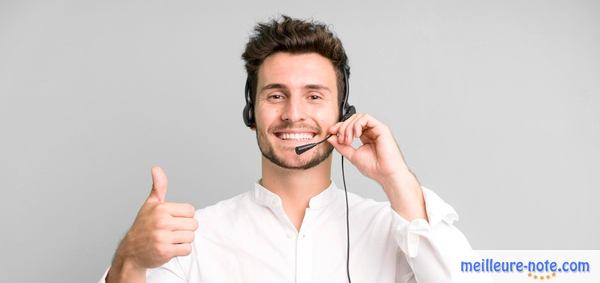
{"x": 347, "y": 225}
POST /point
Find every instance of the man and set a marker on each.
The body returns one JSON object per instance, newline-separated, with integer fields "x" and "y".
{"x": 292, "y": 226}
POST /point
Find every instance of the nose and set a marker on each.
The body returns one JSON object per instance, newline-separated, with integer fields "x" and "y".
{"x": 293, "y": 110}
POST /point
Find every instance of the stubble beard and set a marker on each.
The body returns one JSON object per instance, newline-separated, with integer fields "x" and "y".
{"x": 323, "y": 152}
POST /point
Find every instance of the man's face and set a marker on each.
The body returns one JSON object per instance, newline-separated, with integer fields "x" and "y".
{"x": 296, "y": 102}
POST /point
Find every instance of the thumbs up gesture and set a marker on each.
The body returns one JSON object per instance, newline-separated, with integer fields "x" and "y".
{"x": 161, "y": 230}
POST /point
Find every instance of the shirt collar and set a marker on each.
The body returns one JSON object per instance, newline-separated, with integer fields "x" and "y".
{"x": 267, "y": 198}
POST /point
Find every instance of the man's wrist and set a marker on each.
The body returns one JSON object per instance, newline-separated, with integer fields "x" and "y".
{"x": 124, "y": 270}
{"x": 405, "y": 195}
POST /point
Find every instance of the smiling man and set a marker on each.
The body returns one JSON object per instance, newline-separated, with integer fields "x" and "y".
{"x": 292, "y": 226}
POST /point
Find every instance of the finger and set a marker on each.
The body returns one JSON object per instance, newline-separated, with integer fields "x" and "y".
{"x": 342, "y": 130}
{"x": 159, "y": 185}
{"x": 179, "y": 209}
{"x": 373, "y": 127}
{"x": 360, "y": 125}
{"x": 183, "y": 224}
{"x": 343, "y": 137}
{"x": 181, "y": 249}
{"x": 181, "y": 237}
{"x": 345, "y": 150}
{"x": 335, "y": 128}
{"x": 350, "y": 133}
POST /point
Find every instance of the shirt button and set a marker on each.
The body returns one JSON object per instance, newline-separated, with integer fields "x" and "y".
{"x": 289, "y": 236}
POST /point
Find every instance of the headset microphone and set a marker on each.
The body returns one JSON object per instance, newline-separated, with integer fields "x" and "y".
{"x": 305, "y": 147}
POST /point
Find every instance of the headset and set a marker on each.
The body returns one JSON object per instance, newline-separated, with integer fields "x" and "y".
{"x": 346, "y": 111}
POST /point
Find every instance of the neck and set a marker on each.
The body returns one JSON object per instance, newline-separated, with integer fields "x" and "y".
{"x": 296, "y": 187}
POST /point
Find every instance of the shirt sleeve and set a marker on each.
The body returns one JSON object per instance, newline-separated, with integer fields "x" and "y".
{"x": 434, "y": 249}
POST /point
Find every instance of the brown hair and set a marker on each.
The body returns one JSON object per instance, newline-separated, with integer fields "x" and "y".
{"x": 294, "y": 36}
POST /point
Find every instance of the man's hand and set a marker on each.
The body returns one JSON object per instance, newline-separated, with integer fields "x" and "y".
{"x": 161, "y": 231}
{"x": 380, "y": 159}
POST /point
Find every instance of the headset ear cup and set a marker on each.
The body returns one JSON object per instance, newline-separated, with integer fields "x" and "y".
{"x": 251, "y": 117}
{"x": 247, "y": 115}
{"x": 348, "y": 112}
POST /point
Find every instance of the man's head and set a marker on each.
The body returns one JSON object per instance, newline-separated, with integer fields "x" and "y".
{"x": 296, "y": 81}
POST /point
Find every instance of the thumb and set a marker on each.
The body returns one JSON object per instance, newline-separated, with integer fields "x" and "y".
{"x": 159, "y": 185}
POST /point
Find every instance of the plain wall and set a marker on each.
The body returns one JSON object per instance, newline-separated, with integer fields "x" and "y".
{"x": 495, "y": 105}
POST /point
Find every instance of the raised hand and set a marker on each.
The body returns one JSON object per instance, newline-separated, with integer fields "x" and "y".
{"x": 161, "y": 230}
{"x": 380, "y": 159}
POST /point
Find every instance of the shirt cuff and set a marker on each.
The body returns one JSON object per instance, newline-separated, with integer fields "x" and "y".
{"x": 408, "y": 234}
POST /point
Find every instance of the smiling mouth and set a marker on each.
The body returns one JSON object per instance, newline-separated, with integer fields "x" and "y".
{"x": 295, "y": 136}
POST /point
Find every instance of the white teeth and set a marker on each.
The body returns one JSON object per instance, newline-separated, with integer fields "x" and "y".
{"x": 296, "y": 136}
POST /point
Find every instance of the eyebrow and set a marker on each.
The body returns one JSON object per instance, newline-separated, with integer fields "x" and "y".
{"x": 282, "y": 86}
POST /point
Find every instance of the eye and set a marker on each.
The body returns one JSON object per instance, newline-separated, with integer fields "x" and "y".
{"x": 275, "y": 97}
{"x": 314, "y": 97}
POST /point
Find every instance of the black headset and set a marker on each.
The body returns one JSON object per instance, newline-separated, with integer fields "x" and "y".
{"x": 346, "y": 110}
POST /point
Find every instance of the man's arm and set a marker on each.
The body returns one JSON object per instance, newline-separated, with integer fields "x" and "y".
{"x": 161, "y": 231}
{"x": 422, "y": 222}
{"x": 380, "y": 159}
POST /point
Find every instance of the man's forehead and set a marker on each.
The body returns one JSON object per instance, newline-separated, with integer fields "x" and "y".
{"x": 301, "y": 69}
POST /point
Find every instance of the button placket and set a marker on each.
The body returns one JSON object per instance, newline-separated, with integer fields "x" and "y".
{"x": 304, "y": 249}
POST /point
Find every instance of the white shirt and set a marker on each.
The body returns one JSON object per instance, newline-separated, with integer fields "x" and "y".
{"x": 249, "y": 238}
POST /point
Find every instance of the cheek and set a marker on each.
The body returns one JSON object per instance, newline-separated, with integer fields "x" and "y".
{"x": 266, "y": 117}
{"x": 265, "y": 114}
{"x": 328, "y": 117}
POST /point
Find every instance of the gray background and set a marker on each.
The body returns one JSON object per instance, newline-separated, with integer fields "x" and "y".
{"x": 494, "y": 103}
